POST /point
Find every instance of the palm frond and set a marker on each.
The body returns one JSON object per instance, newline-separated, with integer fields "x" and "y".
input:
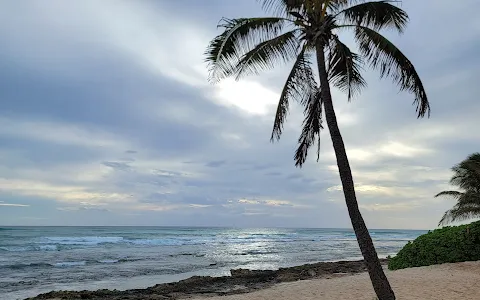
{"x": 299, "y": 85}
{"x": 475, "y": 167}
{"x": 344, "y": 69}
{"x": 466, "y": 177}
{"x": 469, "y": 198}
{"x": 467, "y": 173}
{"x": 312, "y": 125}
{"x": 239, "y": 36}
{"x": 460, "y": 214}
{"x": 453, "y": 194}
{"x": 376, "y": 15}
{"x": 336, "y": 6}
{"x": 391, "y": 62}
{"x": 267, "y": 54}
{"x": 463, "y": 198}
{"x": 285, "y": 7}
{"x": 281, "y": 7}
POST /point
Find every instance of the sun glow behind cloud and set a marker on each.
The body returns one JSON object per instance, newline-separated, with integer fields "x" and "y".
{"x": 249, "y": 96}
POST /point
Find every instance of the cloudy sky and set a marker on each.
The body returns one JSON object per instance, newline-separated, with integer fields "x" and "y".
{"x": 107, "y": 118}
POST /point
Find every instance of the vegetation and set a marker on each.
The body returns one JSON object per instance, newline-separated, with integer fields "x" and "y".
{"x": 302, "y": 31}
{"x": 445, "y": 245}
{"x": 467, "y": 178}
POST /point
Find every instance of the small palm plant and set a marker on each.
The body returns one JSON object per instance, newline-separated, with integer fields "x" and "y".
{"x": 305, "y": 31}
{"x": 467, "y": 178}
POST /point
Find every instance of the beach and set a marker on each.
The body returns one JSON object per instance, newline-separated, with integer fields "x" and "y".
{"x": 332, "y": 281}
{"x": 447, "y": 281}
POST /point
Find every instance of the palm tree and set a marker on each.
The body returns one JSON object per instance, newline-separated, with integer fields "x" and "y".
{"x": 467, "y": 178}
{"x": 300, "y": 31}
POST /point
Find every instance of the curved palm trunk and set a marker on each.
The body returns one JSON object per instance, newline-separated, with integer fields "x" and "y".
{"x": 377, "y": 276}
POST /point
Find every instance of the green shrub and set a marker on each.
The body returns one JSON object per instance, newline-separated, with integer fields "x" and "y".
{"x": 446, "y": 245}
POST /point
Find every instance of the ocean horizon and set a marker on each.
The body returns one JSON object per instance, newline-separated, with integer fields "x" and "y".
{"x": 38, "y": 259}
{"x": 222, "y": 227}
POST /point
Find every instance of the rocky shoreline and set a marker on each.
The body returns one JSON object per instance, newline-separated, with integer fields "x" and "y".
{"x": 240, "y": 281}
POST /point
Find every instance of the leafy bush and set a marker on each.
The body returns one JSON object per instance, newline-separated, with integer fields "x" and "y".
{"x": 446, "y": 245}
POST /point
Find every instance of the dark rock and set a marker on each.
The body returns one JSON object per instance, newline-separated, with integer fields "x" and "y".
{"x": 241, "y": 281}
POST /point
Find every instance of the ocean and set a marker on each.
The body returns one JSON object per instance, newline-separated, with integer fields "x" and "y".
{"x": 35, "y": 260}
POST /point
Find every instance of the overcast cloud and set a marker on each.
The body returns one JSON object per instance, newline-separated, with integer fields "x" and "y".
{"x": 107, "y": 118}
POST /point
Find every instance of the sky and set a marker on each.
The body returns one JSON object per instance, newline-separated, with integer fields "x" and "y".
{"x": 107, "y": 118}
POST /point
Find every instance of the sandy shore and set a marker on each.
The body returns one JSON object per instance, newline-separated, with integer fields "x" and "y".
{"x": 329, "y": 281}
{"x": 448, "y": 281}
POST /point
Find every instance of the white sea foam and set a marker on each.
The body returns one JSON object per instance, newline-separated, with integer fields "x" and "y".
{"x": 70, "y": 263}
{"x": 108, "y": 261}
{"x": 14, "y": 249}
{"x": 163, "y": 242}
{"x": 29, "y": 248}
{"x": 84, "y": 240}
